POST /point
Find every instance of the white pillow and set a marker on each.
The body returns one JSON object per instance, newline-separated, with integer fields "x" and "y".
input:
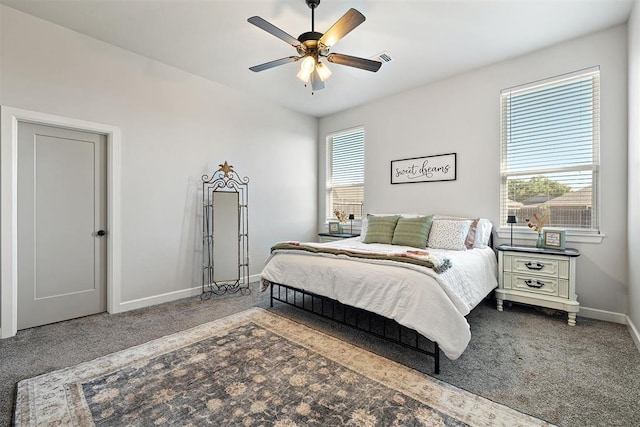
{"x": 483, "y": 233}
{"x": 449, "y": 234}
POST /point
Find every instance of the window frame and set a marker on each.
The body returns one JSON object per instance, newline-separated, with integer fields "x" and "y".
{"x": 328, "y": 166}
{"x": 587, "y": 235}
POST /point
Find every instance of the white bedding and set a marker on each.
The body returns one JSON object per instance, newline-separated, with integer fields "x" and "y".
{"x": 417, "y": 297}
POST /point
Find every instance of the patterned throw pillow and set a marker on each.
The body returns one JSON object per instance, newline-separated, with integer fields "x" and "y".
{"x": 471, "y": 235}
{"x": 412, "y": 232}
{"x": 449, "y": 234}
{"x": 380, "y": 228}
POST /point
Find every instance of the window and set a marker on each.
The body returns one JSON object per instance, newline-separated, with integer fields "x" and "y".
{"x": 550, "y": 151}
{"x": 345, "y": 173}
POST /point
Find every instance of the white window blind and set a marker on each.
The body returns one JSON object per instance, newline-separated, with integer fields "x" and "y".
{"x": 345, "y": 173}
{"x": 550, "y": 150}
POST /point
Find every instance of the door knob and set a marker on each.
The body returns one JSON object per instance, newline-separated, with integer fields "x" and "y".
{"x": 101, "y": 233}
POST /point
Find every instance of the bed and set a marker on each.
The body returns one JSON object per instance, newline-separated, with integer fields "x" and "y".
{"x": 426, "y": 289}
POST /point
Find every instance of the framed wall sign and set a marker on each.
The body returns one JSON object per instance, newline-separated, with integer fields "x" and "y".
{"x": 554, "y": 239}
{"x": 441, "y": 167}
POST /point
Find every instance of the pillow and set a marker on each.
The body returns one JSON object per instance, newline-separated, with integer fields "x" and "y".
{"x": 363, "y": 227}
{"x": 471, "y": 236}
{"x": 402, "y": 215}
{"x": 380, "y": 228}
{"x": 483, "y": 233}
{"x": 412, "y": 232}
{"x": 449, "y": 234}
{"x": 364, "y": 223}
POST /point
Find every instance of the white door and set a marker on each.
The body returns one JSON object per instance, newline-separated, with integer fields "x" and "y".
{"x": 61, "y": 224}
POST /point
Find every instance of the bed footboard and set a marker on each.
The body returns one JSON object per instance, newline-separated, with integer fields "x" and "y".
{"x": 358, "y": 318}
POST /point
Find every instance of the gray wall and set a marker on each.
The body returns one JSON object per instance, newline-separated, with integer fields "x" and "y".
{"x": 462, "y": 115}
{"x": 634, "y": 166}
{"x": 175, "y": 128}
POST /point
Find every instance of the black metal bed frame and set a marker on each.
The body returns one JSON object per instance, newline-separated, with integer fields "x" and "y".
{"x": 354, "y": 317}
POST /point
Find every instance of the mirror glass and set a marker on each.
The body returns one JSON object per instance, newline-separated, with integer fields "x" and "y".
{"x": 225, "y": 229}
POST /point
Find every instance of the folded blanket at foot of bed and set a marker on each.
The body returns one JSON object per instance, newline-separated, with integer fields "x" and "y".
{"x": 416, "y": 257}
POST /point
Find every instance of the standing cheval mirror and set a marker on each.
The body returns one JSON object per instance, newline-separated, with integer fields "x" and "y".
{"x": 225, "y": 233}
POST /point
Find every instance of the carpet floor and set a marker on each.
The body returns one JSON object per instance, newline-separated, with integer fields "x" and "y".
{"x": 588, "y": 375}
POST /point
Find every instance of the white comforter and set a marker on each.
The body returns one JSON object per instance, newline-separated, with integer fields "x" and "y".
{"x": 417, "y": 297}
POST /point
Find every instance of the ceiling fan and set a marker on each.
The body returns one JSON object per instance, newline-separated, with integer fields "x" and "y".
{"x": 311, "y": 46}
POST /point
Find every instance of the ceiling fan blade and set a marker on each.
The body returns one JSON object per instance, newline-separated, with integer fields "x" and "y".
{"x": 316, "y": 81}
{"x": 272, "y": 29}
{"x": 353, "y": 61}
{"x": 275, "y": 63}
{"x": 342, "y": 27}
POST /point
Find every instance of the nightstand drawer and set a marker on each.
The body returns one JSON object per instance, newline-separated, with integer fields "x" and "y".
{"x": 534, "y": 284}
{"x": 539, "y": 266}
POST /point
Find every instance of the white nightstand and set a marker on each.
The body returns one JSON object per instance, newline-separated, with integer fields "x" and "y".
{"x": 541, "y": 277}
{"x": 328, "y": 237}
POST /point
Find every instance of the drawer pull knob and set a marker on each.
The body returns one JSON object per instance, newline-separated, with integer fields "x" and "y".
{"x": 537, "y": 266}
{"x": 538, "y": 284}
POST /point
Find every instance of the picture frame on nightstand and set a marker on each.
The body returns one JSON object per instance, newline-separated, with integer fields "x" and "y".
{"x": 555, "y": 239}
{"x": 334, "y": 227}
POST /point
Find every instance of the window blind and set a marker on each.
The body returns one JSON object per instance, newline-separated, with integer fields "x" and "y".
{"x": 345, "y": 173}
{"x": 550, "y": 150}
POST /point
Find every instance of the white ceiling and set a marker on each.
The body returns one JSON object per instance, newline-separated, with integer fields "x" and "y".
{"x": 427, "y": 40}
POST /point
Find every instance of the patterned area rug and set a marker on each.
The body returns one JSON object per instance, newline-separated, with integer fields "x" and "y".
{"x": 252, "y": 368}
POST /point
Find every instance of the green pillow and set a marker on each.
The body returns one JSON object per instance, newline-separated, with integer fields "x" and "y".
{"x": 380, "y": 228}
{"x": 412, "y": 232}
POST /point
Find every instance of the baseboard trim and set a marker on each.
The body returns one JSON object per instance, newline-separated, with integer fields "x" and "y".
{"x": 168, "y": 297}
{"x": 611, "y": 316}
{"x": 608, "y": 316}
{"x": 159, "y": 299}
{"x": 634, "y": 332}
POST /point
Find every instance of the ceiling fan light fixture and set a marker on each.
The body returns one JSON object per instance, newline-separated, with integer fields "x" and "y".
{"x": 323, "y": 71}
{"x": 304, "y": 75}
{"x": 307, "y": 64}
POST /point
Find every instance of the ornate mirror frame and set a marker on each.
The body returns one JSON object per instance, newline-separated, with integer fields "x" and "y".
{"x": 222, "y": 182}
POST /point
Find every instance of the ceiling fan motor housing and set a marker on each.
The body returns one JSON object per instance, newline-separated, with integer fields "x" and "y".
{"x": 313, "y": 3}
{"x": 309, "y": 36}
{"x": 310, "y": 42}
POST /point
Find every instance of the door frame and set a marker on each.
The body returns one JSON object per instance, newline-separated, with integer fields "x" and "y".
{"x": 9, "y": 119}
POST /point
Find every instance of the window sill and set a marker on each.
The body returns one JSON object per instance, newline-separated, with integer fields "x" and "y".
{"x": 572, "y": 236}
